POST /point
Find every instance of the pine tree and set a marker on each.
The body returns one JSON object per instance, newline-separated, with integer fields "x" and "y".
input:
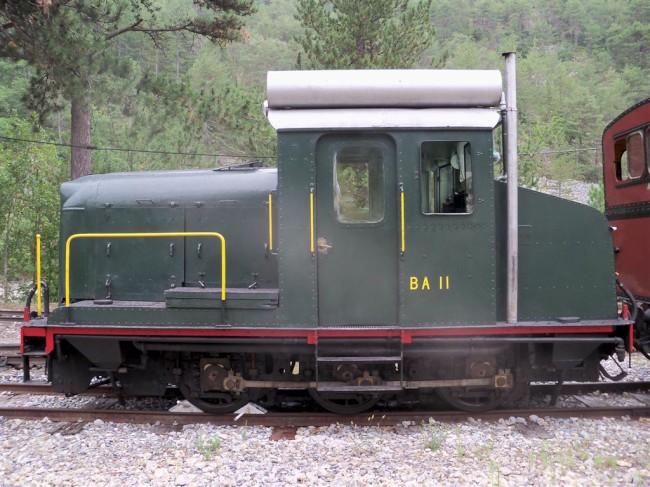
{"x": 70, "y": 43}
{"x": 343, "y": 34}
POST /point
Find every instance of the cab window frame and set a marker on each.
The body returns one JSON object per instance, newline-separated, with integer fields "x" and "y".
{"x": 446, "y": 180}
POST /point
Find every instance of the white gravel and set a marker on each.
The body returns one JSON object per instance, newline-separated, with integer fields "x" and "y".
{"x": 532, "y": 451}
{"x": 519, "y": 451}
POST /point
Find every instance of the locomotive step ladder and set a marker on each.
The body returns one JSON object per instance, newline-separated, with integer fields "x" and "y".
{"x": 326, "y": 354}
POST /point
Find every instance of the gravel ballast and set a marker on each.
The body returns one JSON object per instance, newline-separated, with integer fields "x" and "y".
{"x": 519, "y": 451}
{"x": 513, "y": 452}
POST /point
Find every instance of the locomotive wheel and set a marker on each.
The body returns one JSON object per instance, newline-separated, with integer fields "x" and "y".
{"x": 224, "y": 403}
{"x": 344, "y": 402}
{"x": 472, "y": 399}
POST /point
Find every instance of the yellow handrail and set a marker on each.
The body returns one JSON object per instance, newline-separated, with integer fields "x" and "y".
{"x": 144, "y": 235}
{"x": 271, "y": 222}
{"x": 401, "y": 189}
{"x": 311, "y": 220}
{"x": 38, "y": 274}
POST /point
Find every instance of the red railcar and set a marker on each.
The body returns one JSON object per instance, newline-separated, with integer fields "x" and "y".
{"x": 626, "y": 176}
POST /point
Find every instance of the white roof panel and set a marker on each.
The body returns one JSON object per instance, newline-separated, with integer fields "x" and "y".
{"x": 384, "y": 88}
{"x": 371, "y": 118}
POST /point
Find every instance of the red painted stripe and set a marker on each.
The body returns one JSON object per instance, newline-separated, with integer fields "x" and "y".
{"x": 310, "y": 334}
{"x": 510, "y": 330}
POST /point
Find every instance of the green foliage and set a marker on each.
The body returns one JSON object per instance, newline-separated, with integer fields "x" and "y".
{"x": 209, "y": 448}
{"x": 29, "y": 179}
{"x": 14, "y": 81}
{"x": 75, "y": 47}
{"x": 433, "y": 434}
{"x": 580, "y": 63}
{"x": 352, "y": 34}
{"x": 354, "y": 181}
{"x": 604, "y": 462}
{"x": 597, "y": 196}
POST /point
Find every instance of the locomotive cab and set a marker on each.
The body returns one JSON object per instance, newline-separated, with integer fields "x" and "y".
{"x": 403, "y": 198}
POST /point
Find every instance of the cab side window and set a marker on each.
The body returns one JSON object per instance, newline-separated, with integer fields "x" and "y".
{"x": 446, "y": 177}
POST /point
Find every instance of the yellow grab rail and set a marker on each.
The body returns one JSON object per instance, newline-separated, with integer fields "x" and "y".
{"x": 270, "y": 222}
{"x": 311, "y": 219}
{"x": 401, "y": 199}
{"x": 38, "y": 274}
{"x": 144, "y": 235}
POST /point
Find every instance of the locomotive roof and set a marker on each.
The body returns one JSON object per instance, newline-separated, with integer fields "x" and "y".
{"x": 162, "y": 188}
{"x": 298, "y": 100}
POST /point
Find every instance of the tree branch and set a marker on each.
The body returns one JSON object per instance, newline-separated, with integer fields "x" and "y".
{"x": 176, "y": 28}
{"x": 125, "y": 29}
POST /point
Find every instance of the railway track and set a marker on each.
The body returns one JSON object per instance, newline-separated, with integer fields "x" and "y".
{"x": 571, "y": 388}
{"x": 101, "y": 411}
{"x": 10, "y": 355}
{"x": 311, "y": 419}
{"x": 11, "y": 315}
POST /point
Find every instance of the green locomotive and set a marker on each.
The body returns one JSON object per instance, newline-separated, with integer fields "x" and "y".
{"x": 372, "y": 263}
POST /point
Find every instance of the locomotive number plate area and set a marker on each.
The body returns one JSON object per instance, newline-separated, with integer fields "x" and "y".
{"x": 426, "y": 283}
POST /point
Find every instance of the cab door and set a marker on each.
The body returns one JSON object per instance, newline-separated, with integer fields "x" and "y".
{"x": 356, "y": 231}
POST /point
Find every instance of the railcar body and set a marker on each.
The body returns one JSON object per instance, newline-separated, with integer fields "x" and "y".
{"x": 372, "y": 263}
{"x": 626, "y": 174}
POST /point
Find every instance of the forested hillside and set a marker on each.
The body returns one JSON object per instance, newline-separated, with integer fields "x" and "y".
{"x": 183, "y": 101}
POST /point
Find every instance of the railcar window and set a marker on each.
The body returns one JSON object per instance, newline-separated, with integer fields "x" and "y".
{"x": 446, "y": 178}
{"x": 620, "y": 159}
{"x": 629, "y": 157}
{"x": 636, "y": 156}
{"x": 358, "y": 185}
{"x": 647, "y": 149}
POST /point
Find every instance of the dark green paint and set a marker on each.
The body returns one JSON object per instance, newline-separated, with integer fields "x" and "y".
{"x": 296, "y": 265}
{"x": 566, "y": 264}
{"x": 566, "y": 258}
{"x": 233, "y": 203}
{"x": 460, "y": 246}
{"x": 357, "y": 266}
{"x": 193, "y": 297}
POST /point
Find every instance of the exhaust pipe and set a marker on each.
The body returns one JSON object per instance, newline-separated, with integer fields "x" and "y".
{"x": 512, "y": 196}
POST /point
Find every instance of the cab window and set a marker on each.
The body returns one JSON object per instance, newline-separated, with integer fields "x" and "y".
{"x": 446, "y": 177}
{"x": 358, "y": 184}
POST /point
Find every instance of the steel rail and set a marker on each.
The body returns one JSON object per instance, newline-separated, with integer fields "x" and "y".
{"x": 536, "y": 389}
{"x": 312, "y": 419}
{"x": 11, "y": 315}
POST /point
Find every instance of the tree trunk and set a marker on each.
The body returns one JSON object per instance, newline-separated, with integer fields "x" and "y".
{"x": 59, "y": 125}
{"x": 80, "y": 158}
{"x": 5, "y": 259}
